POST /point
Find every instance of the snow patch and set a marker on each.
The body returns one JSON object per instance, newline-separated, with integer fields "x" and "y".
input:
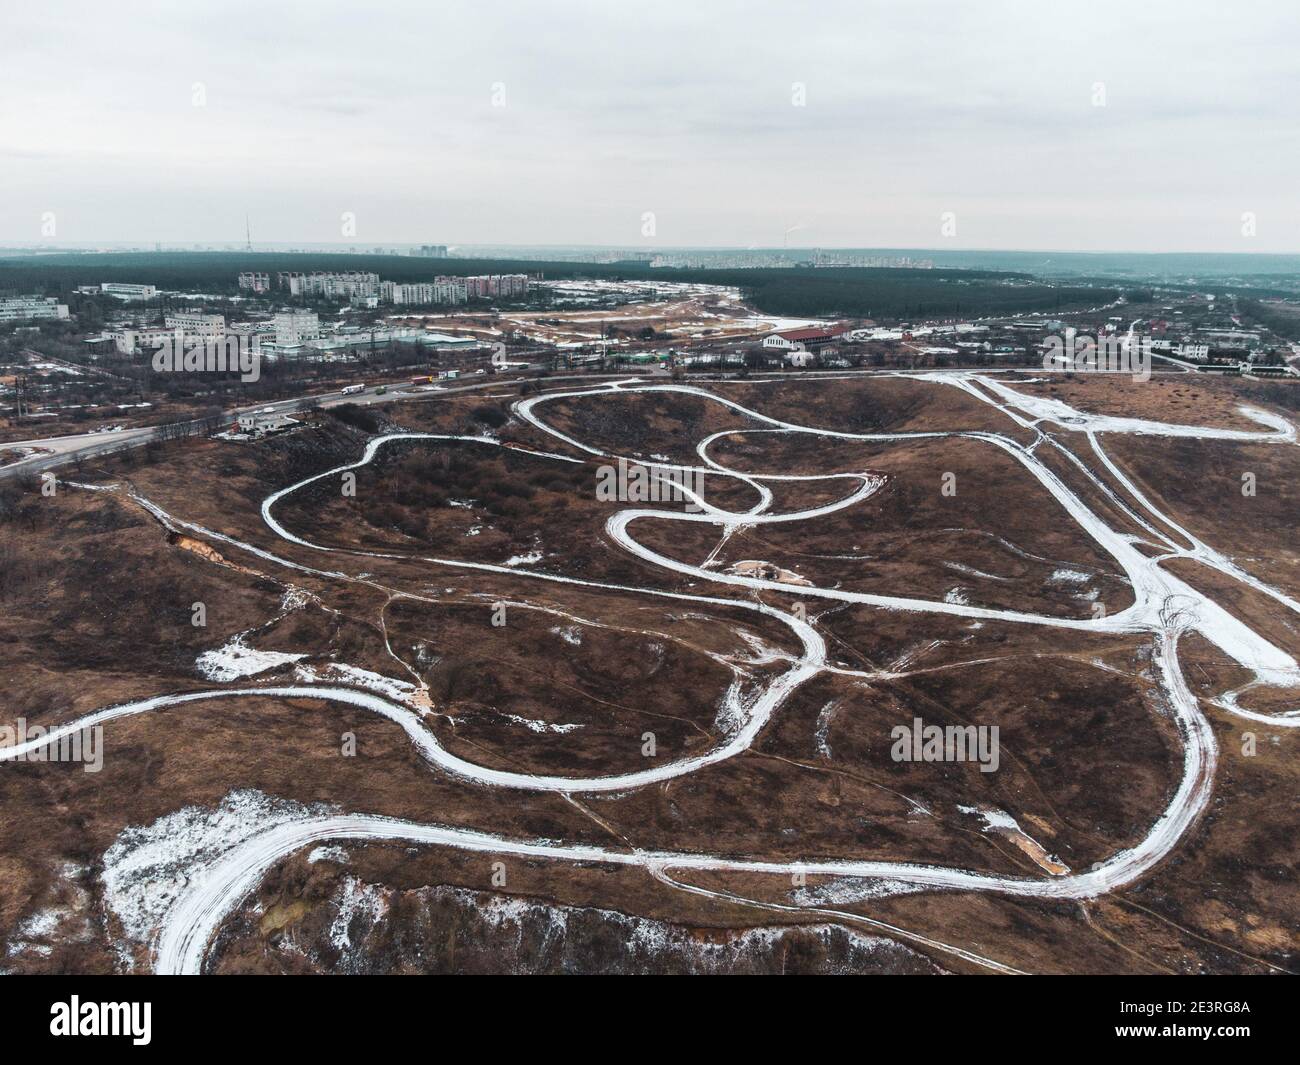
{"x": 533, "y": 725}
{"x": 147, "y": 867}
{"x": 1069, "y": 576}
{"x": 331, "y": 853}
{"x": 236, "y": 660}
{"x": 821, "y": 734}
{"x": 339, "y": 672}
{"x": 848, "y": 890}
{"x": 356, "y": 901}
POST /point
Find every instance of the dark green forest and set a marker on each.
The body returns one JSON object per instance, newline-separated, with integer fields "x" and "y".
{"x": 884, "y": 293}
{"x": 1282, "y": 321}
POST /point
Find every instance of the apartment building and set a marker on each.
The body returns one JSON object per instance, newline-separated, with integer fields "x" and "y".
{"x": 322, "y": 283}
{"x": 360, "y": 286}
{"x": 455, "y": 289}
{"x": 489, "y": 285}
{"x": 421, "y": 293}
{"x": 251, "y": 281}
{"x": 296, "y": 327}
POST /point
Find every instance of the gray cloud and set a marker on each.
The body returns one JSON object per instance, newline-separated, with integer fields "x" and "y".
{"x": 681, "y": 108}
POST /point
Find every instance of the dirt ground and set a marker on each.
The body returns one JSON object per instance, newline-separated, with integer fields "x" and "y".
{"x": 97, "y": 605}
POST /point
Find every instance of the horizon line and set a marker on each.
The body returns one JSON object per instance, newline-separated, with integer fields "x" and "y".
{"x": 359, "y": 248}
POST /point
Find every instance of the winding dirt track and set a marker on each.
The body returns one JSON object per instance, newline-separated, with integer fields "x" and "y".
{"x": 1164, "y": 607}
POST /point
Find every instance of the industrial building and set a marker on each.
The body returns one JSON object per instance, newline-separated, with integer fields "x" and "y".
{"x": 23, "y": 308}
{"x": 798, "y": 339}
{"x": 209, "y": 326}
{"x": 183, "y": 329}
{"x": 121, "y": 290}
{"x": 349, "y": 340}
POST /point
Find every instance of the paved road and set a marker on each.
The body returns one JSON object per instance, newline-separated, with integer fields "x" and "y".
{"x": 61, "y": 450}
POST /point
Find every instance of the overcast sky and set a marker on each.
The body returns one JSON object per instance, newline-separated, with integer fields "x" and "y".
{"x": 566, "y": 122}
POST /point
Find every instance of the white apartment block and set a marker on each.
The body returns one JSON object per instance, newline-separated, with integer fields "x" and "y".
{"x": 458, "y": 289}
{"x": 359, "y": 286}
{"x": 295, "y": 327}
{"x": 343, "y": 285}
{"x": 251, "y": 281}
{"x": 21, "y": 308}
{"x": 489, "y": 285}
{"x": 422, "y": 292}
{"x": 455, "y": 288}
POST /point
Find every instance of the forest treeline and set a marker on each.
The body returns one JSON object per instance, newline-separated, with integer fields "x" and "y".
{"x": 876, "y": 292}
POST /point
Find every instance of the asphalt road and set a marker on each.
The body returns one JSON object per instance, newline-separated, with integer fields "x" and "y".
{"x": 61, "y": 450}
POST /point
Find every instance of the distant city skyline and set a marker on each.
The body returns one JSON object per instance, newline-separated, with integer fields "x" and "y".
{"x": 1110, "y": 127}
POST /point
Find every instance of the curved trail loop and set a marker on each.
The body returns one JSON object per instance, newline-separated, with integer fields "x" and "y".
{"x": 1164, "y": 607}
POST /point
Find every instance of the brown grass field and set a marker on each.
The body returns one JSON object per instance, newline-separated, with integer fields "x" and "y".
{"x": 97, "y": 600}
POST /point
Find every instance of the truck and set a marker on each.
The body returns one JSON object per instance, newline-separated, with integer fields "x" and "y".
{"x": 352, "y": 390}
